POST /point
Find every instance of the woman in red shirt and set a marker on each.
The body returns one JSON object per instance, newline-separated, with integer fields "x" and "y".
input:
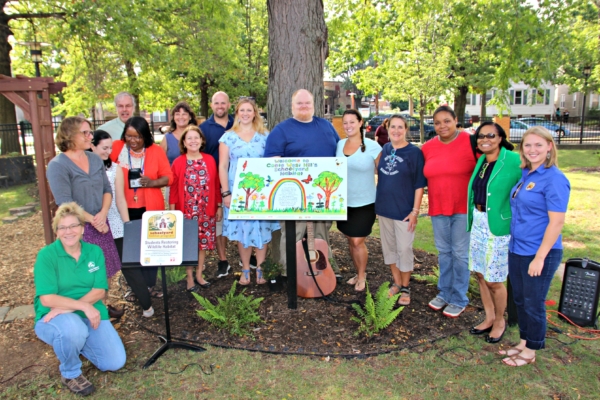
{"x": 449, "y": 164}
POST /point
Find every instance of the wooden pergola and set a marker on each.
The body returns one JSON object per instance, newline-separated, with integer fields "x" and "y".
{"x": 32, "y": 96}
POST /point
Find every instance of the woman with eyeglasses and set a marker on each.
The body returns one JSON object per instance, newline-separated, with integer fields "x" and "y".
{"x": 400, "y": 187}
{"x": 449, "y": 164}
{"x": 146, "y": 170}
{"x": 246, "y": 139}
{"x": 538, "y": 203}
{"x": 489, "y": 218}
{"x": 78, "y": 175}
{"x": 361, "y": 155}
{"x": 70, "y": 283}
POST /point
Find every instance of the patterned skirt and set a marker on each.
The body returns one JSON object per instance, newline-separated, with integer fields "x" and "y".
{"x": 488, "y": 254}
{"x": 106, "y": 242}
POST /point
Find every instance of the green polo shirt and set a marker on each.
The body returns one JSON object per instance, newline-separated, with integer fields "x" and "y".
{"x": 56, "y": 272}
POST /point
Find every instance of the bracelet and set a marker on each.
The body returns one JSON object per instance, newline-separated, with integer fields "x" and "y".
{"x": 416, "y": 209}
{"x": 225, "y": 194}
{"x": 220, "y": 205}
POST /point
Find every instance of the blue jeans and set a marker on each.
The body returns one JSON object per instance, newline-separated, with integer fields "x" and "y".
{"x": 530, "y": 294}
{"x": 70, "y": 335}
{"x": 452, "y": 242}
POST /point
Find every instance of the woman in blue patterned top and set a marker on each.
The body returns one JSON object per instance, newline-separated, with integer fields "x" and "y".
{"x": 246, "y": 139}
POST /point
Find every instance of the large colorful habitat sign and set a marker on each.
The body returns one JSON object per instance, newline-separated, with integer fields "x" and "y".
{"x": 311, "y": 188}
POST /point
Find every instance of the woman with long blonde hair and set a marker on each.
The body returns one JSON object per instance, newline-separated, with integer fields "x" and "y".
{"x": 246, "y": 139}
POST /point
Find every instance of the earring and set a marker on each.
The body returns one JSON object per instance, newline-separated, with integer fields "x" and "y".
{"x": 548, "y": 156}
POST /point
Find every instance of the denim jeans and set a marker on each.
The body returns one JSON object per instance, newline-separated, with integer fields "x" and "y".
{"x": 452, "y": 242}
{"x": 71, "y": 335}
{"x": 529, "y": 293}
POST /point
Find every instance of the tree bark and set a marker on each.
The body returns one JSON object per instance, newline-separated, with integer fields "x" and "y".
{"x": 9, "y": 139}
{"x": 460, "y": 102}
{"x": 483, "y": 110}
{"x": 204, "y": 84}
{"x": 133, "y": 85}
{"x": 297, "y": 52}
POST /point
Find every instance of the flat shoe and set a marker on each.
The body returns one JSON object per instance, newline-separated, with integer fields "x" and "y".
{"x": 359, "y": 282}
{"x": 494, "y": 340}
{"x": 404, "y": 299}
{"x": 246, "y": 276}
{"x": 114, "y": 312}
{"x": 475, "y": 331}
{"x": 259, "y": 277}
{"x": 205, "y": 285}
{"x": 193, "y": 289}
{"x": 352, "y": 281}
{"x": 515, "y": 359}
{"x": 130, "y": 296}
{"x": 394, "y": 290}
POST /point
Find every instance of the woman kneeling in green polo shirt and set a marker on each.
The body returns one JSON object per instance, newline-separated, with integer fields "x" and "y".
{"x": 70, "y": 282}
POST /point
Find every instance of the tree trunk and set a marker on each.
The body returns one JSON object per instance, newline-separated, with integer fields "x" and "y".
{"x": 483, "y": 111}
{"x": 297, "y": 52}
{"x": 422, "y": 108}
{"x": 133, "y": 85}
{"x": 411, "y": 106}
{"x": 460, "y": 102}
{"x": 203, "y": 84}
{"x": 9, "y": 139}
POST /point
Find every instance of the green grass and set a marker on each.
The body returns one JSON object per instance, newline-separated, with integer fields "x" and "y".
{"x": 15, "y": 196}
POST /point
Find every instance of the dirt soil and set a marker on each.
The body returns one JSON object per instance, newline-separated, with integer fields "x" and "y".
{"x": 315, "y": 327}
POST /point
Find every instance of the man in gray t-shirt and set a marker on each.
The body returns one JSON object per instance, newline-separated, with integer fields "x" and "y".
{"x": 125, "y": 104}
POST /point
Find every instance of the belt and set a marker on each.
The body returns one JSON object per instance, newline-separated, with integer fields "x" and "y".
{"x": 480, "y": 207}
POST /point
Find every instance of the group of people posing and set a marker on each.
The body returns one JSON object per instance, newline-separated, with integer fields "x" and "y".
{"x": 493, "y": 211}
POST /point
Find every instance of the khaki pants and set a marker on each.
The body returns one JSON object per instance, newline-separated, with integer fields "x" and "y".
{"x": 321, "y": 230}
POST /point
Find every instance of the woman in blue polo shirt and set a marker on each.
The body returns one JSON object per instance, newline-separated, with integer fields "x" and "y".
{"x": 538, "y": 204}
{"x": 70, "y": 283}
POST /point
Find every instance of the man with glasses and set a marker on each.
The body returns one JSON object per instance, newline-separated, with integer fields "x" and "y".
{"x": 125, "y": 104}
{"x": 303, "y": 135}
{"x": 213, "y": 128}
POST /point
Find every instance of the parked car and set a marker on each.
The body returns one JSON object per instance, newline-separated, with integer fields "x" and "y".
{"x": 413, "y": 124}
{"x": 468, "y": 121}
{"x": 519, "y": 126}
{"x": 551, "y": 126}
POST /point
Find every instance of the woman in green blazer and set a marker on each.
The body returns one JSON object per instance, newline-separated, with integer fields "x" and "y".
{"x": 489, "y": 215}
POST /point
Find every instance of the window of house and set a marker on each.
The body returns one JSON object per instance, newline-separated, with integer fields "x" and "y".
{"x": 575, "y": 100}
{"x": 473, "y": 99}
{"x": 547, "y": 100}
{"x": 563, "y": 100}
{"x": 525, "y": 96}
{"x": 539, "y": 97}
{"x": 518, "y": 98}
{"x": 488, "y": 95}
{"x": 160, "y": 116}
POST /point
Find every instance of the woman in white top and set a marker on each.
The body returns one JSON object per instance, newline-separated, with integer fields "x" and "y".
{"x": 362, "y": 156}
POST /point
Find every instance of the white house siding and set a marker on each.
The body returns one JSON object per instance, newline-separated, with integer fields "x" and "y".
{"x": 521, "y": 93}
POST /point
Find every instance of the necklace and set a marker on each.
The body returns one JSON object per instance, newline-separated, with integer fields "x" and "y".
{"x": 135, "y": 154}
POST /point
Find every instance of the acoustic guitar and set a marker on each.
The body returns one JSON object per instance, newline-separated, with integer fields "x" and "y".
{"x": 317, "y": 257}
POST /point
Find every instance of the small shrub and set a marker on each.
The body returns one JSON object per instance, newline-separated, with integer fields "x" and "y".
{"x": 378, "y": 313}
{"x": 271, "y": 269}
{"x": 174, "y": 275}
{"x": 233, "y": 313}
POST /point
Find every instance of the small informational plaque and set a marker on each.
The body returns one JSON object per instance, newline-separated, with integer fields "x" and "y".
{"x": 162, "y": 238}
{"x": 312, "y": 188}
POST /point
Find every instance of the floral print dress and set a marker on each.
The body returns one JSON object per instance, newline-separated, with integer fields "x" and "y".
{"x": 196, "y": 188}
{"x": 248, "y": 232}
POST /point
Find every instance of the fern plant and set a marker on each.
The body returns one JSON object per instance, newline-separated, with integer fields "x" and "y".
{"x": 433, "y": 280}
{"x": 378, "y": 313}
{"x": 233, "y": 313}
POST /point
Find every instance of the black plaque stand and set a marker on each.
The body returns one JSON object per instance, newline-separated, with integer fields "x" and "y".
{"x": 131, "y": 259}
{"x": 290, "y": 259}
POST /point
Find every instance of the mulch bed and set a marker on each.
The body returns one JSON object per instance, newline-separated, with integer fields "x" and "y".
{"x": 316, "y": 326}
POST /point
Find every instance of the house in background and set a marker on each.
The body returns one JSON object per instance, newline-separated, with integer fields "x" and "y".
{"x": 572, "y": 101}
{"x": 524, "y": 101}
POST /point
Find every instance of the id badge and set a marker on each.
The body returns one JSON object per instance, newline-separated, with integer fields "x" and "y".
{"x": 135, "y": 174}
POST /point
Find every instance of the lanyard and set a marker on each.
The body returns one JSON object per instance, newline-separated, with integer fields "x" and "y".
{"x": 131, "y": 167}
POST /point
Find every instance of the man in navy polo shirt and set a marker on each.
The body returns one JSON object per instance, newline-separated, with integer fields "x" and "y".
{"x": 213, "y": 128}
{"x": 303, "y": 135}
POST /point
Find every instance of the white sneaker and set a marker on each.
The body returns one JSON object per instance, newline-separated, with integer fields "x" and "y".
{"x": 148, "y": 313}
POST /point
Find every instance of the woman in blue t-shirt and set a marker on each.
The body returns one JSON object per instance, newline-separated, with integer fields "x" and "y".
{"x": 362, "y": 155}
{"x": 538, "y": 203}
{"x": 400, "y": 183}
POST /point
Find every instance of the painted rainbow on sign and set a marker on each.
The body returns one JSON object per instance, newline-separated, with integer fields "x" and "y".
{"x": 278, "y": 185}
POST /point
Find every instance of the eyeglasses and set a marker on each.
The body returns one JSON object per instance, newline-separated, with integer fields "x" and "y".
{"x": 486, "y": 135}
{"x": 246, "y": 98}
{"x": 483, "y": 169}
{"x": 127, "y": 137}
{"x": 87, "y": 133}
{"x": 67, "y": 228}
{"x": 517, "y": 191}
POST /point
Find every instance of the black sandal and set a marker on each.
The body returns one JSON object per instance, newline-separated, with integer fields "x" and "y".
{"x": 390, "y": 294}
{"x": 157, "y": 294}
{"x": 130, "y": 296}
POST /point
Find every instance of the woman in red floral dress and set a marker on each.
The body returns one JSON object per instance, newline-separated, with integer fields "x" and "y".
{"x": 195, "y": 192}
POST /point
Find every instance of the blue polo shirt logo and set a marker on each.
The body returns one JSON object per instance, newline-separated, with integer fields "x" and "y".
{"x": 530, "y": 186}
{"x": 92, "y": 267}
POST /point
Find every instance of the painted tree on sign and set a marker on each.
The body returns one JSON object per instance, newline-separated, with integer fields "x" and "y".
{"x": 251, "y": 183}
{"x": 329, "y": 182}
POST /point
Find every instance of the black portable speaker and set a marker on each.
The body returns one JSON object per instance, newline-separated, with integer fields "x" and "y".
{"x": 580, "y": 291}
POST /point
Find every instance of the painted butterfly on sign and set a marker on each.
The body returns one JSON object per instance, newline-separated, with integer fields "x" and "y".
{"x": 307, "y": 180}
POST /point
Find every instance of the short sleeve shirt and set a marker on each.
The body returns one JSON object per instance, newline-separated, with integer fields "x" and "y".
{"x": 292, "y": 138}
{"x": 56, "y": 272}
{"x": 537, "y": 193}
{"x": 213, "y": 132}
{"x": 399, "y": 175}
{"x": 361, "y": 172}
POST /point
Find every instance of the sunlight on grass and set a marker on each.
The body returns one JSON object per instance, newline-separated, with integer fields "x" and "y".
{"x": 15, "y": 196}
